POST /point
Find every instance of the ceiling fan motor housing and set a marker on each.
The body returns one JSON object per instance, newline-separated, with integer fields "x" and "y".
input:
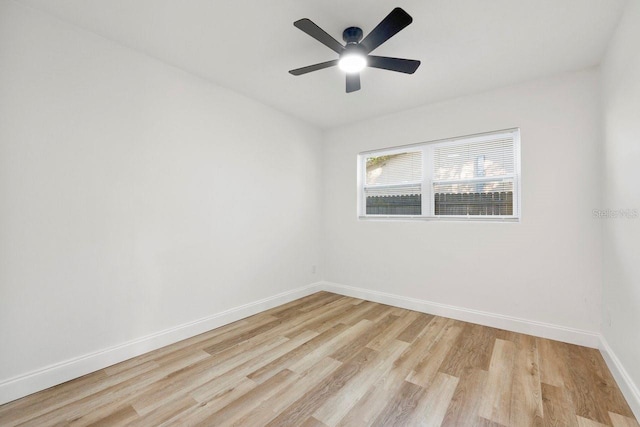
{"x": 352, "y": 35}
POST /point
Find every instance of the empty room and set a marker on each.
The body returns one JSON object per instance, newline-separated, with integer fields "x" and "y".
{"x": 295, "y": 213}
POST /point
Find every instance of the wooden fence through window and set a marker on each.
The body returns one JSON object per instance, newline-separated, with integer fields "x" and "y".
{"x": 495, "y": 203}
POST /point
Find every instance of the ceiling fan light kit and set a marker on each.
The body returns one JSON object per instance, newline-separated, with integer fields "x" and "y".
{"x": 354, "y": 56}
{"x": 352, "y": 63}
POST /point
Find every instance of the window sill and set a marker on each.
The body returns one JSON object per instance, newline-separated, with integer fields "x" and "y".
{"x": 493, "y": 218}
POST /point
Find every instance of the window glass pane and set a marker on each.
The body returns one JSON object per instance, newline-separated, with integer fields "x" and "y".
{"x": 394, "y": 181}
{"x": 394, "y": 168}
{"x": 394, "y": 200}
{"x": 479, "y": 198}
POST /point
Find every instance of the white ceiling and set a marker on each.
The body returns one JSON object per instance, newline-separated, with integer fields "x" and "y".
{"x": 465, "y": 46}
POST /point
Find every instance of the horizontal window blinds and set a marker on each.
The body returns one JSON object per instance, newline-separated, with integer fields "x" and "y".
{"x": 492, "y": 158}
{"x": 394, "y": 169}
{"x": 474, "y": 187}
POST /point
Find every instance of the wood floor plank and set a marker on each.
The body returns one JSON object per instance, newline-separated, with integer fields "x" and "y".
{"x": 471, "y": 351}
{"x": 336, "y": 407}
{"x": 553, "y": 368}
{"x": 239, "y": 407}
{"x": 113, "y": 410}
{"x": 277, "y": 327}
{"x": 312, "y": 422}
{"x": 426, "y": 370}
{"x": 526, "y": 393}
{"x": 610, "y": 394}
{"x": 496, "y": 399}
{"x": 212, "y": 383}
{"x": 422, "y": 343}
{"x": 121, "y": 417}
{"x": 483, "y": 422}
{"x": 432, "y": 408}
{"x": 411, "y": 332}
{"x": 327, "y": 360}
{"x": 557, "y": 407}
{"x": 365, "y": 411}
{"x": 297, "y": 309}
{"x": 586, "y": 422}
{"x": 618, "y": 420}
{"x": 593, "y": 392}
{"x": 400, "y": 407}
{"x": 348, "y": 349}
{"x": 290, "y": 329}
{"x": 196, "y": 414}
{"x": 239, "y": 338}
{"x": 300, "y": 302}
{"x": 173, "y": 409}
{"x": 327, "y": 302}
{"x": 358, "y": 313}
{"x": 330, "y": 346}
{"x": 322, "y": 320}
{"x": 465, "y": 402}
{"x": 376, "y": 398}
{"x": 192, "y": 377}
{"x": 271, "y": 407}
{"x": 306, "y": 405}
{"x": 270, "y": 369}
{"x": 378, "y": 312}
{"x": 581, "y": 386}
{"x": 390, "y": 334}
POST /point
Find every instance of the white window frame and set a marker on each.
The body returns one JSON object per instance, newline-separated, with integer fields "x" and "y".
{"x": 427, "y": 182}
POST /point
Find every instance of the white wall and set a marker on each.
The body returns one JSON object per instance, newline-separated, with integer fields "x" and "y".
{"x": 621, "y": 112}
{"x": 547, "y": 268}
{"x": 135, "y": 197}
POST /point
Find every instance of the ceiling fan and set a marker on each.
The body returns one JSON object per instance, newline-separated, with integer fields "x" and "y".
{"x": 354, "y": 56}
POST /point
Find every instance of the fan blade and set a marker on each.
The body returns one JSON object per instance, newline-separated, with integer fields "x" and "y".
{"x": 387, "y": 28}
{"x": 408, "y": 66}
{"x": 314, "y": 67}
{"x": 319, "y": 34}
{"x": 353, "y": 82}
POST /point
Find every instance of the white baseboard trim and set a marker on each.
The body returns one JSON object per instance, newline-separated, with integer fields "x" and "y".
{"x": 34, "y": 381}
{"x": 515, "y": 324}
{"x": 626, "y": 384}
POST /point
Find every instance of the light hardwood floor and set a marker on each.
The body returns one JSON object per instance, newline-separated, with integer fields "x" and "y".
{"x": 331, "y": 360}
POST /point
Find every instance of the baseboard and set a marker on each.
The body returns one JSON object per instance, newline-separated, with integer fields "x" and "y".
{"x": 31, "y": 382}
{"x": 515, "y": 324}
{"x": 626, "y": 384}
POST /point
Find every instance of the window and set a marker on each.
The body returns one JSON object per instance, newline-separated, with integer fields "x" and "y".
{"x": 472, "y": 177}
